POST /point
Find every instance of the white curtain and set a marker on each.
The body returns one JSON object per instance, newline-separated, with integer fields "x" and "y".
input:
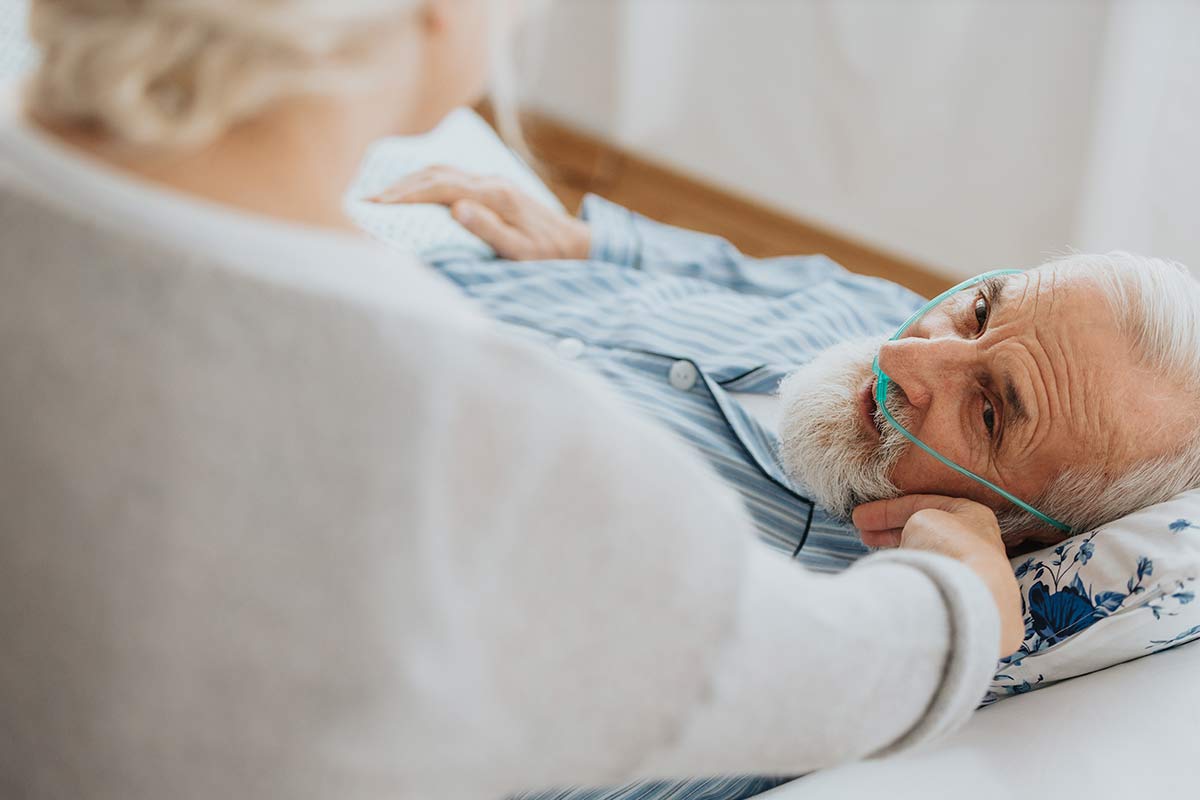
{"x": 964, "y": 133}
{"x": 1142, "y": 183}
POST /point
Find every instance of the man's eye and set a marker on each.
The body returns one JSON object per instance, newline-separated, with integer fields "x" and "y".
{"x": 981, "y": 313}
{"x": 989, "y": 417}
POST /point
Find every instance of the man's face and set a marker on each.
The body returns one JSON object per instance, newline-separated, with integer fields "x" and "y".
{"x": 1014, "y": 379}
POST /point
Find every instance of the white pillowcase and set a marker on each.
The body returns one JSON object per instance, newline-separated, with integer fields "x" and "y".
{"x": 1125, "y": 590}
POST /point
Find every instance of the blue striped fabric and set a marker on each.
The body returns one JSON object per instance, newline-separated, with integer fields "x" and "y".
{"x": 652, "y": 296}
{"x": 702, "y": 789}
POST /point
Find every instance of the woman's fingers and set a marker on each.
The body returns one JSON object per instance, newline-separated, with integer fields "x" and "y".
{"x": 517, "y": 226}
{"x": 446, "y": 186}
{"x": 444, "y": 189}
{"x": 956, "y": 528}
{"x": 888, "y": 538}
{"x": 952, "y": 526}
{"x": 439, "y": 179}
{"x": 480, "y": 220}
{"x": 882, "y": 515}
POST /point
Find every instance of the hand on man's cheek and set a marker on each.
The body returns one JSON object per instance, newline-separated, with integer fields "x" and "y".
{"x": 918, "y": 473}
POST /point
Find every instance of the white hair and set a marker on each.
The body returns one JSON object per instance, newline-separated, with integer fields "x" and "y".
{"x": 179, "y": 73}
{"x": 822, "y": 443}
{"x": 1157, "y": 307}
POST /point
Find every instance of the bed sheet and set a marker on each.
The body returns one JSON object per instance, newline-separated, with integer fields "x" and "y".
{"x": 1126, "y": 731}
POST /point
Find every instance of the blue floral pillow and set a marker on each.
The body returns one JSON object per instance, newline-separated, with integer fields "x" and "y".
{"x": 1125, "y": 590}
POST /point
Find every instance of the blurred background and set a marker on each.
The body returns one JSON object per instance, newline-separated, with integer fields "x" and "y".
{"x": 958, "y": 135}
{"x": 923, "y": 140}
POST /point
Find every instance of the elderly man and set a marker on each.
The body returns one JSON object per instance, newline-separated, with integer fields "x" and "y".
{"x": 1061, "y": 397}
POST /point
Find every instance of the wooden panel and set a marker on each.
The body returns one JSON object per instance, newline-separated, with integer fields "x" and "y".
{"x": 574, "y": 163}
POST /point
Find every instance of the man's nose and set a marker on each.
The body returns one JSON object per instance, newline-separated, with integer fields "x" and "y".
{"x": 922, "y": 366}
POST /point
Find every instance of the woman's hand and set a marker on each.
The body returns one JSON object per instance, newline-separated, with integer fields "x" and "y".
{"x": 961, "y": 529}
{"x": 517, "y": 227}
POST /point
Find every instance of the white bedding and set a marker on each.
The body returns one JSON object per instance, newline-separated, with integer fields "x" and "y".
{"x": 1129, "y": 731}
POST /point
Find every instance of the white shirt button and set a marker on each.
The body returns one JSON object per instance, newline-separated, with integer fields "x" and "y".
{"x": 569, "y": 348}
{"x": 683, "y": 375}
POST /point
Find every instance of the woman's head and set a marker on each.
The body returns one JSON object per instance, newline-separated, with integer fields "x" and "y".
{"x": 180, "y": 73}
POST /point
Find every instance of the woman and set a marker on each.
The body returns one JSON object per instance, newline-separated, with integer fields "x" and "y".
{"x": 283, "y": 517}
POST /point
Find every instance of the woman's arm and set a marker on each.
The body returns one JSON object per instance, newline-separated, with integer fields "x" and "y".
{"x": 632, "y": 626}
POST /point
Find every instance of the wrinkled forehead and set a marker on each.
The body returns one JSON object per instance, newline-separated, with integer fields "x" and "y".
{"x": 1046, "y": 300}
{"x": 1072, "y": 337}
{"x": 1055, "y": 339}
{"x": 1070, "y": 304}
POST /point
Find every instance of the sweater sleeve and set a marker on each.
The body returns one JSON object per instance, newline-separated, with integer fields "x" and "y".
{"x": 822, "y": 669}
{"x": 973, "y": 630}
{"x": 659, "y": 636}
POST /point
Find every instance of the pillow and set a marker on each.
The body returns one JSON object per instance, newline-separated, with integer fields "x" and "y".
{"x": 463, "y": 140}
{"x": 1122, "y": 591}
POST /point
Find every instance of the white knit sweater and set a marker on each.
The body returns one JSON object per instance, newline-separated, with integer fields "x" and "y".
{"x": 281, "y": 516}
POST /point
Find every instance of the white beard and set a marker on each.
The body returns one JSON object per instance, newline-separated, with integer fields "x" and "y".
{"x": 822, "y": 442}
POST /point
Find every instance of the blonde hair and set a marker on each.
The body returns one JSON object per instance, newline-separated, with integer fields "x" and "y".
{"x": 178, "y": 73}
